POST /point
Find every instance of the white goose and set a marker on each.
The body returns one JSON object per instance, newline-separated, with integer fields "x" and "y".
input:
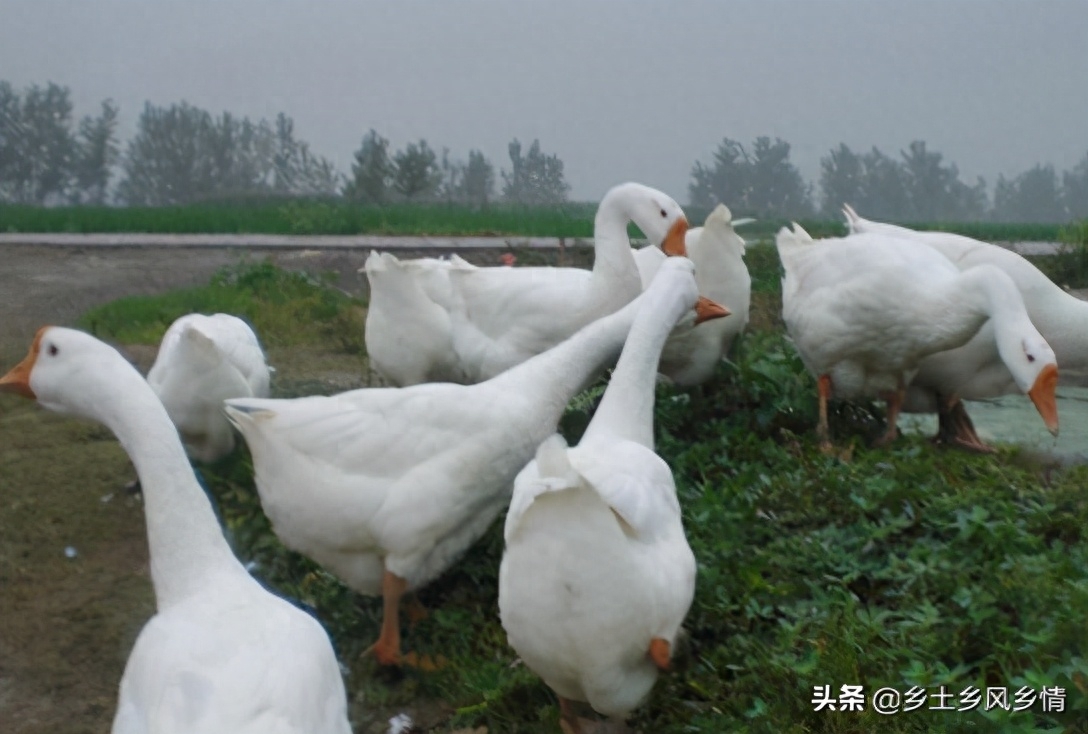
{"x": 221, "y": 654}
{"x": 865, "y": 310}
{"x": 498, "y": 317}
{"x": 409, "y": 332}
{"x": 202, "y": 361}
{"x": 597, "y": 575}
{"x": 387, "y": 487}
{"x": 690, "y": 358}
{"x": 975, "y": 370}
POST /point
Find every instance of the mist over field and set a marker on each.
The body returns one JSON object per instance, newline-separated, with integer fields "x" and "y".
{"x": 617, "y": 90}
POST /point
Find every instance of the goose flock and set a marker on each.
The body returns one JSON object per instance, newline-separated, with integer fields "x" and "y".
{"x": 387, "y": 487}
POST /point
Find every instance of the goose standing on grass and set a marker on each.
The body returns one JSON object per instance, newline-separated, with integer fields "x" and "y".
{"x": 202, "y": 361}
{"x": 690, "y": 358}
{"x": 486, "y": 320}
{"x": 975, "y": 370}
{"x": 865, "y": 310}
{"x": 387, "y": 487}
{"x": 597, "y": 575}
{"x": 221, "y": 654}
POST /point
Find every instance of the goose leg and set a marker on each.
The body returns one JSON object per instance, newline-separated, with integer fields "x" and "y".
{"x": 387, "y": 648}
{"x": 954, "y": 427}
{"x": 961, "y": 431}
{"x": 895, "y": 403}
{"x": 944, "y": 421}
{"x": 823, "y": 433}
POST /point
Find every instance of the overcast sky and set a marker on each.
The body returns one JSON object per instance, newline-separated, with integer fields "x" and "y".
{"x": 620, "y": 89}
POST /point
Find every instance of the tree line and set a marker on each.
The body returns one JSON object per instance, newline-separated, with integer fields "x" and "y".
{"x": 182, "y": 154}
{"x": 917, "y": 185}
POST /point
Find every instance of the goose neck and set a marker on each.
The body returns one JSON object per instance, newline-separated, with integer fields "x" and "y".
{"x": 571, "y": 366}
{"x": 185, "y": 542}
{"x": 627, "y": 408}
{"x": 612, "y": 254}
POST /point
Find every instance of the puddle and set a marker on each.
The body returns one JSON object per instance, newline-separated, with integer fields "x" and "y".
{"x": 1013, "y": 419}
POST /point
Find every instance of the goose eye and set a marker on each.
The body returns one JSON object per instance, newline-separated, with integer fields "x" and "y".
{"x": 1031, "y": 357}
{"x": 663, "y": 214}
{"x": 52, "y": 350}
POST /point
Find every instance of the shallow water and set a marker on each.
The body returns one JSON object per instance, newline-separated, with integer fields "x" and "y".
{"x": 1013, "y": 419}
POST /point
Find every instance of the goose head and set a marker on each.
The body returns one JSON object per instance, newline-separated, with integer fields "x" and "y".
{"x": 65, "y": 371}
{"x": 1033, "y": 365}
{"x": 657, "y": 214}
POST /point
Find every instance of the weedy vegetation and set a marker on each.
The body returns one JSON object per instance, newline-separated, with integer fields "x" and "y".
{"x": 1069, "y": 266}
{"x": 285, "y": 308}
{"x": 913, "y": 566}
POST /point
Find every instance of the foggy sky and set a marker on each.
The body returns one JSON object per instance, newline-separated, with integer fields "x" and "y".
{"x": 621, "y": 90}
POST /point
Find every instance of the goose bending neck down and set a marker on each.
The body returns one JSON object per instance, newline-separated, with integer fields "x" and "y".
{"x": 976, "y": 371}
{"x": 864, "y": 311}
{"x": 597, "y": 575}
{"x": 478, "y": 322}
{"x": 229, "y": 655}
{"x": 387, "y": 487}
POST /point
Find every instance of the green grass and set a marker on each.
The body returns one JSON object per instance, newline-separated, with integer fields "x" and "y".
{"x": 263, "y": 216}
{"x": 307, "y": 217}
{"x": 900, "y": 567}
{"x": 285, "y": 308}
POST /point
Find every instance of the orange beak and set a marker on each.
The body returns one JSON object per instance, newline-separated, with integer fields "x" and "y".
{"x": 1042, "y": 394}
{"x": 18, "y": 379}
{"x": 673, "y": 245}
{"x": 706, "y": 309}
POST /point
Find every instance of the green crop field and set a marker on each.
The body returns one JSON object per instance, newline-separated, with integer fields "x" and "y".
{"x": 339, "y": 217}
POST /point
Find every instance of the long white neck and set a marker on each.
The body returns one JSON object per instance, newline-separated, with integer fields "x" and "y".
{"x": 981, "y": 292}
{"x": 627, "y": 409}
{"x": 557, "y": 375}
{"x": 185, "y": 541}
{"x": 1063, "y": 319}
{"x": 612, "y": 256}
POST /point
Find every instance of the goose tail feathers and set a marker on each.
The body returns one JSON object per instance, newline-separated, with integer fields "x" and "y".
{"x": 853, "y": 221}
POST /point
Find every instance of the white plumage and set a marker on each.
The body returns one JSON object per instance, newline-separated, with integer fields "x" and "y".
{"x": 202, "y": 361}
{"x": 221, "y": 654}
{"x": 597, "y": 567}
{"x": 690, "y": 358}
{"x": 865, "y": 310}
{"x": 386, "y": 487}
{"x": 450, "y": 321}
{"x": 975, "y": 371}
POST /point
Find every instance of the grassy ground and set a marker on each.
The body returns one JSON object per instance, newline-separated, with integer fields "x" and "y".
{"x": 905, "y": 567}
{"x": 337, "y": 217}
